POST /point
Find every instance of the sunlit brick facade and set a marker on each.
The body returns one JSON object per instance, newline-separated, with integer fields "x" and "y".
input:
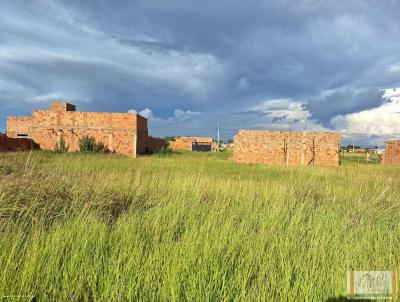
{"x": 122, "y": 133}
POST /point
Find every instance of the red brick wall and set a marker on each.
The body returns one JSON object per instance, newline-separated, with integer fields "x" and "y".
{"x": 123, "y": 133}
{"x": 391, "y": 156}
{"x": 19, "y": 125}
{"x": 142, "y": 134}
{"x": 154, "y": 144}
{"x": 62, "y": 106}
{"x": 116, "y": 130}
{"x": 185, "y": 143}
{"x": 15, "y": 144}
{"x": 287, "y": 148}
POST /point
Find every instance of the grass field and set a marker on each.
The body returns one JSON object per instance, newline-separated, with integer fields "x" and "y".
{"x": 190, "y": 227}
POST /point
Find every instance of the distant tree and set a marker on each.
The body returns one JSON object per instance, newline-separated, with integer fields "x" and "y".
{"x": 169, "y": 138}
{"x": 348, "y": 147}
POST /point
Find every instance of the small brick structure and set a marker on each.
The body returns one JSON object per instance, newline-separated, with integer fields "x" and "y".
{"x": 8, "y": 144}
{"x": 19, "y": 126}
{"x": 288, "y": 148}
{"x": 154, "y": 144}
{"x": 191, "y": 143}
{"x": 391, "y": 156}
{"x": 122, "y": 133}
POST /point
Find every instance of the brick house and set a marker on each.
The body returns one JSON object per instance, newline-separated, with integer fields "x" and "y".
{"x": 289, "y": 148}
{"x": 190, "y": 143}
{"x": 122, "y": 133}
{"x": 391, "y": 156}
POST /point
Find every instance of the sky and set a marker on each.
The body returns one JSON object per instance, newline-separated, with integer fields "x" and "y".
{"x": 185, "y": 65}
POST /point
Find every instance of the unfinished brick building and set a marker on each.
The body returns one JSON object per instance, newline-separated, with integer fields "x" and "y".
{"x": 193, "y": 144}
{"x": 122, "y": 133}
{"x": 391, "y": 156}
{"x": 287, "y": 148}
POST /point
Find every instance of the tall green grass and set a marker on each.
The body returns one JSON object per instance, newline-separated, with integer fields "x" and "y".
{"x": 190, "y": 227}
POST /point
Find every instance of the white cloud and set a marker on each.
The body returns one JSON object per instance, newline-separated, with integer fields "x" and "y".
{"x": 148, "y": 113}
{"x": 181, "y": 115}
{"x": 383, "y": 120}
{"x": 392, "y": 93}
{"x": 51, "y": 97}
{"x": 394, "y": 67}
{"x": 282, "y": 114}
{"x": 286, "y": 110}
{"x": 30, "y": 39}
{"x": 280, "y": 105}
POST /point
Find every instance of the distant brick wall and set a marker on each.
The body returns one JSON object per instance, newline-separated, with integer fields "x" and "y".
{"x": 154, "y": 144}
{"x": 8, "y": 144}
{"x": 185, "y": 143}
{"x": 18, "y": 126}
{"x": 287, "y": 148}
{"x": 391, "y": 156}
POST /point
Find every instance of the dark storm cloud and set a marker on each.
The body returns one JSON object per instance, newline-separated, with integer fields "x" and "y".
{"x": 207, "y": 56}
{"x": 258, "y": 113}
{"x": 342, "y": 102}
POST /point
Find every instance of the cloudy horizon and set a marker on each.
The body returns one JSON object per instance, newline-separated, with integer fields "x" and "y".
{"x": 285, "y": 65}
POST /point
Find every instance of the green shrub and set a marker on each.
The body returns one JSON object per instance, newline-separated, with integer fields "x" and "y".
{"x": 165, "y": 150}
{"x": 87, "y": 144}
{"x": 100, "y": 148}
{"x": 61, "y": 146}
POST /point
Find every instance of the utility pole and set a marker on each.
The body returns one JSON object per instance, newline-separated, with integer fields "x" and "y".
{"x": 218, "y": 137}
